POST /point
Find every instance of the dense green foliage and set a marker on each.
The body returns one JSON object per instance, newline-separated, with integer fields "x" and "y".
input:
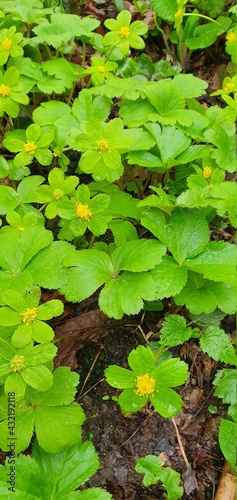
{"x": 113, "y": 175}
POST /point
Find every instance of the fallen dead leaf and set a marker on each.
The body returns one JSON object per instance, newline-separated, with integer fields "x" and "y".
{"x": 75, "y": 333}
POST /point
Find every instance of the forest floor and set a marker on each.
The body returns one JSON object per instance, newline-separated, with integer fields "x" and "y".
{"x": 93, "y": 342}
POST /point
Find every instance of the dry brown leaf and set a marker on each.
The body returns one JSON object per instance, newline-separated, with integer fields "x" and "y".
{"x": 75, "y": 333}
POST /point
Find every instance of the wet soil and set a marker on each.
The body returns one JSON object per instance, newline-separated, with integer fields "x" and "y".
{"x": 121, "y": 440}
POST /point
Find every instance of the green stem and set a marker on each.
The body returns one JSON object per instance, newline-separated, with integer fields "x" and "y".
{"x": 26, "y": 112}
{"x": 42, "y": 208}
{"x": 83, "y": 63}
{"x": 160, "y": 350}
{"x": 132, "y": 178}
{"x": 48, "y": 51}
{"x": 232, "y": 238}
{"x": 203, "y": 17}
{"x": 164, "y": 38}
{"x": 91, "y": 241}
{"x": 71, "y": 93}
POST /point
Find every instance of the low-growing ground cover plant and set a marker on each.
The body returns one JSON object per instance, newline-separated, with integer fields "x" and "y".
{"x": 131, "y": 218}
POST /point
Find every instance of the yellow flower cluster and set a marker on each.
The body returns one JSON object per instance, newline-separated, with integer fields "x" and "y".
{"x": 145, "y": 385}
{"x": 83, "y": 211}
{"x": 17, "y": 363}
{"x": 29, "y": 315}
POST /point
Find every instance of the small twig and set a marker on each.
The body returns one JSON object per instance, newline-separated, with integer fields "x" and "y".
{"x": 142, "y": 332}
{"x": 97, "y": 383}
{"x": 201, "y": 407}
{"x": 180, "y": 443}
{"x": 138, "y": 428}
{"x": 89, "y": 372}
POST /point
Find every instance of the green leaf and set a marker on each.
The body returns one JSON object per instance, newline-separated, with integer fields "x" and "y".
{"x": 63, "y": 378}
{"x": 4, "y": 167}
{"x": 171, "y": 373}
{"x": 63, "y": 27}
{"x": 166, "y": 402}
{"x": 125, "y": 294}
{"x": 174, "y": 331}
{"x": 206, "y": 34}
{"x": 123, "y": 231}
{"x": 55, "y": 113}
{"x": 135, "y": 113}
{"x": 40, "y": 354}
{"x": 8, "y": 199}
{"x": 68, "y": 470}
{"x": 228, "y": 441}
{"x": 58, "y": 427}
{"x": 170, "y": 141}
{"x": 21, "y": 282}
{"x": 223, "y": 198}
{"x": 164, "y": 8}
{"x": 130, "y": 402}
{"x": 206, "y": 320}
{"x": 15, "y": 383}
{"x": 216, "y": 343}
{"x": 122, "y": 204}
{"x": 85, "y": 106}
{"x": 50, "y": 309}
{"x": 47, "y": 266}
{"x": 28, "y": 479}
{"x": 119, "y": 377}
{"x": 153, "y": 472}
{"x": 217, "y": 262}
{"x": 145, "y": 159}
{"x": 8, "y": 317}
{"x": 205, "y": 296}
{"x": 93, "y": 269}
{"x": 169, "y": 277}
{"x": 168, "y": 100}
{"x": 186, "y": 234}
{"x": 18, "y": 247}
{"x": 25, "y": 424}
{"x": 26, "y": 190}
{"x": 44, "y": 156}
{"x": 225, "y": 154}
{"x": 171, "y": 480}
{"x": 151, "y": 467}
{"x": 141, "y": 360}
{"x": 38, "y": 377}
{"x": 132, "y": 256}
{"x": 190, "y": 85}
{"x": 226, "y": 386}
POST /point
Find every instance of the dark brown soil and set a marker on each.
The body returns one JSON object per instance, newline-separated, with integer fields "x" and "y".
{"x": 120, "y": 441}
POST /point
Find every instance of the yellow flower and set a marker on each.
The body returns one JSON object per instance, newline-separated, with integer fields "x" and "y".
{"x": 4, "y": 90}
{"x": 6, "y": 43}
{"x": 207, "y": 171}
{"x": 17, "y": 363}
{"x": 56, "y": 152}
{"x": 145, "y": 385}
{"x": 178, "y": 14}
{"x": 124, "y": 32}
{"x": 103, "y": 146}
{"x": 101, "y": 69}
{"x": 231, "y": 37}
{"x": 83, "y": 211}
{"x": 30, "y": 147}
{"x": 29, "y": 315}
{"x": 58, "y": 194}
{"x": 229, "y": 87}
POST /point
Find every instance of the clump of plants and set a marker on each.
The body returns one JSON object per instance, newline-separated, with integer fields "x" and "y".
{"x": 130, "y": 221}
